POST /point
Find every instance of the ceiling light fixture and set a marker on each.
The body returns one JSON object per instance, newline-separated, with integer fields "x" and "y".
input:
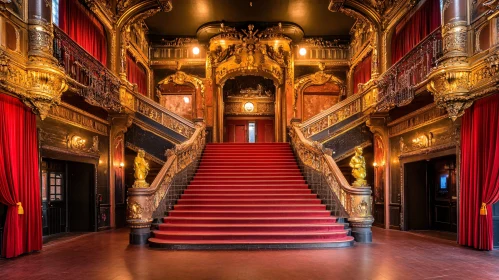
{"x": 195, "y": 50}
{"x": 303, "y": 51}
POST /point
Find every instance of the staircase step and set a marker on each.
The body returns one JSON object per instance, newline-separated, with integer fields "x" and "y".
{"x": 294, "y": 207}
{"x": 253, "y": 227}
{"x": 248, "y": 235}
{"x": 212, "y": 186}
{"x": 228, "y": 201}
{"x": 248, "y": 191}
{"x": 249, "y": 214}
{"x": 248, "y": 196}
{"x": 247, "y": 182}
{"x": 245, "y": 220}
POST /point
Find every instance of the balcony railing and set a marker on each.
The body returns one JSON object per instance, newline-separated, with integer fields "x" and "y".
{"x": 397, "y": 85}
{"x": 88, "y": 77}
{"x": 341, "y": 111}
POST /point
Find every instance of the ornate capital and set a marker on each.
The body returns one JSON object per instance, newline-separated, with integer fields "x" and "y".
{"x": 452, "y": 92}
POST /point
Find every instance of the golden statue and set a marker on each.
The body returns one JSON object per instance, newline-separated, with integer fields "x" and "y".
{"x": 141, "y": 168}
{"x": 358, "y": 165}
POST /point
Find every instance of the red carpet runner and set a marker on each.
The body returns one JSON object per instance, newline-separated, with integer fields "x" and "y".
{"x": 249, "y": 196}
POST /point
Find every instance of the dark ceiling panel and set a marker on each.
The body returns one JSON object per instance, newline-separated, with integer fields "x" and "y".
{"x": 311, "y": 15}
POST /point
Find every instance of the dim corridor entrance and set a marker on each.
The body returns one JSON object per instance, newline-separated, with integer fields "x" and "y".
{"x": 68, "y": 197}
{"x": 430, "y": 194}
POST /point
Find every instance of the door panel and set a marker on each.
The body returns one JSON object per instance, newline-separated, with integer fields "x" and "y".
{"x": 81, "y": 204}
{"x": 231, "y": 133}
{"x": 416, "y": 196}
{"x": 240, "y": 134}
{"x": 57, "y": 203}
{"x": 269, "y": 133}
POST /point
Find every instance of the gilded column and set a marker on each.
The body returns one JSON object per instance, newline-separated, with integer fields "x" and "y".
{"x": 450, "y": 83}
{"x": 45, "y": 79}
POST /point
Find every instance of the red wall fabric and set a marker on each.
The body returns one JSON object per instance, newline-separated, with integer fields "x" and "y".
{"x": 19, "y": 178}
{"x": 84, "y": 28}
{"x": 411, "y": 32}
{"x": 479, "y": 172}
{"x": 136, "y": 74}
{"x": 362, "y": 73}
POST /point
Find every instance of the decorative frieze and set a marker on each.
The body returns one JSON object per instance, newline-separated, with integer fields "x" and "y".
{"x": 416, "y": 119}
{"x": 74, "y": 116}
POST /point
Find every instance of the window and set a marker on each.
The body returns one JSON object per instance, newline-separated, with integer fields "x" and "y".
{"x": 55, "y": 12}
{"x": 252, "y": 132}
{"x": 56, "y": 187}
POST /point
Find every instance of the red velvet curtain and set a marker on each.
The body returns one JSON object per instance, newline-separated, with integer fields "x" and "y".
{"x": 479, "y": 172}
{"x": 412, "y": 31}
{"x": 362, "y": 73}
{"x": 19, "y": 178}
{"x": 136, "y": 74}
{"x": 84, "y": 28}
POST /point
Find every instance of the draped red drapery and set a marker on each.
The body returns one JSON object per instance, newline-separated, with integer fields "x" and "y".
{"x": 19, "y": 178}
{"x": 362, "y": 73}
{"x": 479, "y": 182}
{"x": 84, "y": 28}
{"x": 412, "y": 31}
{"x": 136, "y": 74}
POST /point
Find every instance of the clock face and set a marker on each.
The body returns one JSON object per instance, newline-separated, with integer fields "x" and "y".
{"x": 249, "y": 107}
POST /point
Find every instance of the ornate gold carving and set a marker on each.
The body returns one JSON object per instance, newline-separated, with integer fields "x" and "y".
{"x": 354, "y": 200}
{"x": 358, "y": 165}
{"x": 74, "y": 116}
{"x": 424, "y": 116}
{"x": 134, "y": 211}
{"x": 454, "y": 37}
{"x": 150, "y": 198}
{"x": 141, "y": 168}
{"x": 147, "y": 156}
{"x": 451, "y": 90}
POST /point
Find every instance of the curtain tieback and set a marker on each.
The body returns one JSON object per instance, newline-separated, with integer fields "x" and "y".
{"x": 483, "y": 209}
{"x": 20, "y": 209}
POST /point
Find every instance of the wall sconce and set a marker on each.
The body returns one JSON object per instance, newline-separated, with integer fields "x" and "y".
{"x": 375, "y": 164}
{"x": 122, "y": 164}
{"x": 303, "y": 51}
{"x": 195, "y": 50}
{"x": 186, "y": 100}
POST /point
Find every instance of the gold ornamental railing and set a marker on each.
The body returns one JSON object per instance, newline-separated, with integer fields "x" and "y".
{"x": 143, "y": 105}
{"x": 146, "y": 204}
{"x": 355, "y": 202}
{"x": 343, "y": 110}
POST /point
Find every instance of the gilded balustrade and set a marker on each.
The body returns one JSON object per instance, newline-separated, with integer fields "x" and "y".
{"x": 355, "y": 201}
{"x": 136, "y": 102}
{"x": 398, "y": 84}
{"x": 86, "y": 75}
{"x": 142, "y": 203}
{"x": 347, "y": 108}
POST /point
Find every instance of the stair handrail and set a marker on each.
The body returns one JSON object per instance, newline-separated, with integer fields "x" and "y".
{"x": 149, "y": 108}
{"x": 143, "y": 202}
{"x": 342, "y": 110}
{"x": 356, "y": 201}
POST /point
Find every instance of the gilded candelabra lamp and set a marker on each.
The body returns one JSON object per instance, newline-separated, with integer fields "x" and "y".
{"x": 141, "y": 168}
{"x": 358, "y": 165}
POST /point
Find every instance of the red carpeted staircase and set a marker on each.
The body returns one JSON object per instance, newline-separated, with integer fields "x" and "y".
{"x": 247, "y": 196}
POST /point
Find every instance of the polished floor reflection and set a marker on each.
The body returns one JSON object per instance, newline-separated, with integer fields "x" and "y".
{"x": 393, "y": 255}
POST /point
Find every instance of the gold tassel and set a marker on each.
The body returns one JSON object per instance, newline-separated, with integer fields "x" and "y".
{"x": 483, "y": 209}
{"x": 20, "y": 209}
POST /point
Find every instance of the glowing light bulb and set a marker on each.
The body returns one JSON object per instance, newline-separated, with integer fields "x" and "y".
{"x": 303, "y": 51}
{"x": 195, "y": 50}
{"x": 122, "y": 164}
{"x": 186, "y": 100}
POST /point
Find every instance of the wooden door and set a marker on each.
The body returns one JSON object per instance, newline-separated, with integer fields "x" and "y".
{"x": 443, "y": 197}
{"x": 240, "y": 134}
{"x": 416, "y": 196}
{"x": 56, "y": 214}
{"x": 265, "y": 131}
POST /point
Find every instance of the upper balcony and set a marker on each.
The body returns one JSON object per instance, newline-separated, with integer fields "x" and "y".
{"x": 86, "y": 75}
{"x": 398, "y": 85}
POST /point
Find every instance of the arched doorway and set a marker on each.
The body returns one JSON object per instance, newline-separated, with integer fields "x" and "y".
{"x": 249, "y": 109}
